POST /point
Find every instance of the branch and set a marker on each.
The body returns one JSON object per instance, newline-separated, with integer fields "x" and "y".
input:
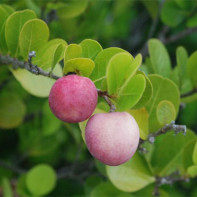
{"x": 180, "y": 35}
{"x": 168, "y": 180}
{"x": 189, "y": 93}
{"x": 165, "y": 129}
{"x": 7, "y": 60}
{"x": 11, "y": 167}
{"x": 107, "y": 99}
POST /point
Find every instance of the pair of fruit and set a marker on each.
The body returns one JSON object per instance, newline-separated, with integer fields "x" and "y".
{"x": 112, "y": 137}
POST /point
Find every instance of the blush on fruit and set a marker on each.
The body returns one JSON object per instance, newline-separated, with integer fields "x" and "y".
{"x": 113, "y": 137}
{"x": 73, "y": 98}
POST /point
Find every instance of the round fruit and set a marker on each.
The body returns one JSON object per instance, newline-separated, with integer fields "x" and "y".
{"x": 73, "y": 98}
{"x": 113, "y": 137}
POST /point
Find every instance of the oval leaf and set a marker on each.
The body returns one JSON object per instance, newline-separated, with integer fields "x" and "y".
{"x": 12, "y": 111}
{"x": 41, "y": 180}
{"x": 159, "y": 57}
{"x": 166, "y": 112}
{"x": 101, "y": 62}
{"x": 33, "y": 35}
{"x": 131, "y": 93}
{"x": 163, "y": 89}
{"x": 90, "y": 48}
{"x": 81, "y": 66}
{"x": 72, "y": 51}
{"x": 132, "y": 175}
{"x": 118, "y": 70}
{"x": 34, "y": 84}
{"x": 13, "y": 28}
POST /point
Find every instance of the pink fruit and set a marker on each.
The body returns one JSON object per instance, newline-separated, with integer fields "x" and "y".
{"x": 113, "y": 137}
{"x": 73, "y": 98}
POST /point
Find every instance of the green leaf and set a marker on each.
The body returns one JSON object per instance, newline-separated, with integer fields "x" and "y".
{"x": 172, "y": 150}
{"x": 50, "y": 124}
{"x": 8, "y": 8}
{"x": 51, "y": 56}
{"x": 171, "y": 14}
{"x": 71, "y": 8}
{"x": 90, "y": 48}
{"x": 119, "y": 69}
{"x": 132, "y": 175}
{"x": 152, "y": 7}
{"x": 130, "y": 93}
{"x": 163, "y": 89}
{"x": 192, "y": 21}
{"x": 182, "y": 58}
{"x": 159, "y": 57}
{"x": 46, "y": 53}
{"x": 106, "y": 189}
{"x": 7, "y": 188}
{"x": 5, "y": 12}
{"x": 188, "y": 153}
{"x": 166, "y": 112}
{"x": 101, "y": 62}
{"x": 72, "y": 51}
{"x": 146, "y": 96}
{"x": 192, "y": 171}
{"x": 13, "y": 28}
{"x": 192, "y": 68}
{"x": 34, "y": 34}
{"x": 195, "y": 155}
{"x": 141, "y": 117}
{"x": 81, "y": 66}
{"x": 3, "y": 16}
{"x": 41, "y": 180}
{"x": 12, "y": 111}
{"x": 36, "y": 85}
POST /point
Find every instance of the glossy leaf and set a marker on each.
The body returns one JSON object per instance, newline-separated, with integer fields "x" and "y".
{"x": 192, "y": 171}
{"x": 72, "y": 51}
{"x": 33, "y": 35}
{"x": 192, "y": 68}
{"x": 166, "y": 112}
{"x": 118, "y": 70}
{"x": 163, "y": 89}
{"x": 171, "y": 14}
{"x": 12, "y": 111}
{"x": 106, "y": 190}
{"x": 90, "y": 48}
{"x": 46, "y": 53}
{"x": 13, "y": 27}
{"x": 81, "y": 66}
{"x": 141, "y": 117}
{"x": 171, "y": 148}
{"x": 182, "y": 58}
{"x": 41, "y": 180}
{"x": 71, "y": 8}
{"x": 146, "y": 96}
{"x": 101, "y": 62}
{"x": 6, "y": 186}
{"x": 132, "y": 175}
{"x": 159, "y": 57}
{"x": 34, "y": 84}
{"x": 131, "y": 93}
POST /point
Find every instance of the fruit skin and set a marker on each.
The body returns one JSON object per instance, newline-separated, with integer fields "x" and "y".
{"x": 73, "y": 98}
{"x": 113, "y": 137}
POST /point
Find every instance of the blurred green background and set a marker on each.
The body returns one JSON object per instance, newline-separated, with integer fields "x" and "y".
{"x": 30, "y": 134}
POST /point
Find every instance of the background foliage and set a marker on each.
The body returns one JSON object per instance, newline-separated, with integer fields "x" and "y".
{"x": 143, "y": 53}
